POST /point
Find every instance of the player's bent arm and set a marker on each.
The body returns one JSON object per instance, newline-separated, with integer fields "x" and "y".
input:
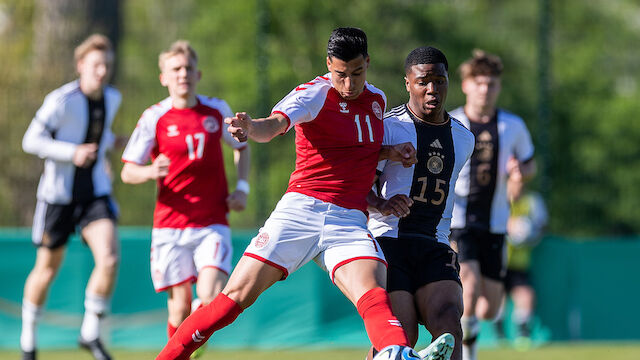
{"x": 404, "y": 153}
{"x": 242, "y": 160}
{"x": 265, "y": 129}
{"x": 38, "y": 141}
{"x": 136, "y": 174}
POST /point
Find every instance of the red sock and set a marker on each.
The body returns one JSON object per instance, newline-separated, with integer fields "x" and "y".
{"x": 382, "y": 326}
{"x": 171, "y": 330}
{"x": 199, "y": 326}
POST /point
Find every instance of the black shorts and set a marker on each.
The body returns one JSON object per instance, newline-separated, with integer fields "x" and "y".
{"x": 485, "y": 247}
{"x": 53, "y": 224}
{"x": 415, "y": 262}
{"x": 516, "y": 278}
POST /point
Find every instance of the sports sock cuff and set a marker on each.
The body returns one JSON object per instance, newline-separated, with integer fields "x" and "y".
{"x": 96, "y": 304}
{"x": 171, "y": 330}
{"x": 31, "y": 311}
{"x": 383, "y": 328}
{"x": 372, "y": 298}
{"x": 470, "y": 327}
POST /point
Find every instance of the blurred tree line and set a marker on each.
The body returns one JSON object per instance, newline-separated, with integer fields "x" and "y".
{"x": 571, "y": 72}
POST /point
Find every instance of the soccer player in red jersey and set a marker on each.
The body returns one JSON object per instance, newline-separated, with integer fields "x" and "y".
{"x": 191, "y": 240}
{"x": 322, "y": 217}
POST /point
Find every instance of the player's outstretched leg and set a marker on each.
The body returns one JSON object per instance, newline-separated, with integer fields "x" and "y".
{"x": 440, "y": 349}
{"x": 95, "y": 347}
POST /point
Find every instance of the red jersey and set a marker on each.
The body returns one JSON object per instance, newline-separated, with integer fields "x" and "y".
{"x": 194, "y": 192}
{"x": 338, "y": 141}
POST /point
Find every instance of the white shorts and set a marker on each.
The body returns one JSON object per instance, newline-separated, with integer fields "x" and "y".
{"x": 178, "y": 255}
{"x": 302, "y": 228}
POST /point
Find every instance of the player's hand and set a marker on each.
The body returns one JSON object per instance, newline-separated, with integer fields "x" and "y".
{"x": 398, "y": 205}
{"x": 85, "y": 155}
{"x": 237, "y": 200}
{"x": 404, "y": 153}
{"x": 513, "y": 169}
{"x": 159, "y": 167}
{"x": 239, "y": 126}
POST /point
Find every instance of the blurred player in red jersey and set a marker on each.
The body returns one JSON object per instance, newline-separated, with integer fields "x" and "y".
{"x": 322, "y": 217}
{"x": 191, "y": 240}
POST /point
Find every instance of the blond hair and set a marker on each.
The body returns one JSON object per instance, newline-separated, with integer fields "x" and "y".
{"x": 179, "y": 47}
{"x": 93, "y": 42}
{"x": 481, "y": 64}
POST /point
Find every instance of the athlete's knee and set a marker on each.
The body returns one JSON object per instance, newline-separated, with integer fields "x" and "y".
{"x": 179, "y": 310}
{"x": 445, "y": 317}
{"x": 108, "y": 263}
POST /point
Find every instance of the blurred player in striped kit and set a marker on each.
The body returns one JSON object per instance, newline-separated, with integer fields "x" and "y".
{"x": 72, "y": 132}
{"x": 503, "y": 152}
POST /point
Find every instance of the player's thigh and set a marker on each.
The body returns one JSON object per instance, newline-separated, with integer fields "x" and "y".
{"x": 171, "y": 260}
{"x": 403, "y": 307}
{"x": 439, "y": 301}
{"x": 98, "y": 228}
{"x": 358, "y": 276}
{"x": 350, "y": 254}
{"x": 52, "y": 225}
{"x": 212, "y": 248}
{"x": 290, "y": 236}
{"x": 250, "y": 278}
{"x": 492, "y": 291}
{"x": 48, "y": 261}
{"x": 211, "y": 281}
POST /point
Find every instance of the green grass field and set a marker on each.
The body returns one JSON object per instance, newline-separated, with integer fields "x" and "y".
{"x": 560, "y": 351}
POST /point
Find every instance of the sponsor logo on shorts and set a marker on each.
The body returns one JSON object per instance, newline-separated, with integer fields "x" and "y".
{"x": 210, "y": 124}
{"x": 157, "y": 275}
{"x": 261, "y": 240}
{"x": 377, "y": 110}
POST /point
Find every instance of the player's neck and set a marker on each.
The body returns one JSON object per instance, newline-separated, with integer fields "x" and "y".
{"x": 93, "y": 94}
{"x": 184, "y": 103}
{"x": 436, "y": 119}
{"x": 479, "y": 114}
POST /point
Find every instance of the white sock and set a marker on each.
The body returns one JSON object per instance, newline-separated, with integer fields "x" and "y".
{"x": 470, "y": 329}
{"x": 95, "y": 307}
{"x": 30, "y": 315}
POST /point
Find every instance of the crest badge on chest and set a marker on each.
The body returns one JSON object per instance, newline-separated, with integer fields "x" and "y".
{"x": 210, "y": 124}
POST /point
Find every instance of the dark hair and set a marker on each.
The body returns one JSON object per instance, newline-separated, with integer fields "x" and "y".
{"x": 425, "y": 55}
{"x": 347, "y": 43}
{"x": 482, "y": 63}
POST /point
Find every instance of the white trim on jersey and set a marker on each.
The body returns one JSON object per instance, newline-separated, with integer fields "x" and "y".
{"x": 58, "y": 127}
{"x": 396, "y": 179}
{"x": 143, "y": 139}
{"x": 306, "y": 101}
{"x": 514, "y": 140}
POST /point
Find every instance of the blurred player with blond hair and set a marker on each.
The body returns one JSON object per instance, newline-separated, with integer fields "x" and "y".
{"x": 181, "y": 136}
{"x": 72, "y": 132}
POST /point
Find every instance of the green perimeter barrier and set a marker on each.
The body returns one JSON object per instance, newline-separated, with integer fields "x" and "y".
{"x": 587, "y": 290}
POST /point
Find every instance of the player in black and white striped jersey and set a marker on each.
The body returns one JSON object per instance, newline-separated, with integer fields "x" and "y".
{"x": 503, "y": 154}
{"x": 410, "y": 214}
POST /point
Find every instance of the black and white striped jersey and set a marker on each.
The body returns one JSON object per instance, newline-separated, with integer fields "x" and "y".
{"x": 65, "y": 120}
{"x": 442, "y": 150}
{"x": 481, "y": 192}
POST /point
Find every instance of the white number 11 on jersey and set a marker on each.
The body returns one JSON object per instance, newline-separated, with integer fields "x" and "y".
{"x": 199, "y": 148}
{"x": 368, "y": 121}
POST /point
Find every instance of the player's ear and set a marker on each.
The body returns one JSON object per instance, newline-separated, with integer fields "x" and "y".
{"x": 329, "y": 63}
{"x": 162, "y": 80}
{"x": 406, "y": 83}
{"x": 199, "y": 75}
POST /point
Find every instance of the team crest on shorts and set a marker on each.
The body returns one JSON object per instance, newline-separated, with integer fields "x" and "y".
{"x": 377, "y": 110}
{"x": 261, "y": 240}
{"x": 210, "y": 124}
{"x": 435, "y": 163}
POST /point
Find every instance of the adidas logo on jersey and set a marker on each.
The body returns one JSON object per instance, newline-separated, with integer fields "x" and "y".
{"x": 395, "y": 323}
{"x": 436, "y": 144}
